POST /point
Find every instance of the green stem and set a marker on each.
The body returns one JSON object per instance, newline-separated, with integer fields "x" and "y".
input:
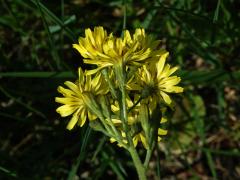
{"x": 121, "y": 75}
{"x": 138, "y": 164}
{"x": 122, "y": 80}
{"x": 147, "y": 158}
{"x": 106, "y": 108}
{"x": 108, "y": 80}
{"x": 109, "y": 130}
{"x": 124, "y": 15}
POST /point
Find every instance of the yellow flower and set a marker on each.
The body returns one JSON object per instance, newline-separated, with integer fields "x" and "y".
{"x": 157, "y": 82}
{"x": 140, "y": 47}
{"x": 90, "y": 46}
{"x": 105, "y": 50}
{"x": 74, "y": 98}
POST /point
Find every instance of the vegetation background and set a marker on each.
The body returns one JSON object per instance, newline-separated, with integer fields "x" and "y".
{"x": 36, "y": 56}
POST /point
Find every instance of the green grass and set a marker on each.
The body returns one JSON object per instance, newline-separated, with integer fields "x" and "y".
{"x": 36, "y": 56}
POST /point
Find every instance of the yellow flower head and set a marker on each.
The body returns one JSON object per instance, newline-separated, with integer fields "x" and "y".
{"x": 92, "y": 45}
{"x": 73, "y": 99}
{"x": 157, "y": 82}
{"x": 105, "y": 50}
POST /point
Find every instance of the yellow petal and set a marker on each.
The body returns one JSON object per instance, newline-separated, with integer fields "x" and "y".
{"x": 96, "y": 81}
{"x": 160, "y": 65}
{"x": 119, "y": 46}
{"x": 162, "y": 131}
{"x": 66, "y": 110}
{"x": 116, "y": 121}
{"x": 69, "y": 100}
{"x": 127, "y": 37}
{"x": 148, "y": 77}
{"x": 94, "y": 71}
{"x": 173, "y": 89}
{"x": 123, "y": 134}
{"x": 80, "y": 75}
{"x": 87, "y": 83}
{"x": 170, "y": 81}
{"x": 124, "y": 141}
{"x": 81, "y": 50}
{"x": 135, "y": 140}
{"x": 143, "y": 139}
{"x": 72, "y": 122}
{"x": 172, "y": 70}
{"x": 72, "y": 86}
{"x": 99, "y": 35}
{"x": 165, "y": 72}
{"x": 112, "y": 140}
{"x": 163, "y": 120}
{"x": 165, "y": 97}
{"x": 89, "y": 36}
{"x": 133, "y": 87}
{"x": 91, "y": 116}
{"x": 115, "y": 108}
{"x": 83, "y": 117}
{"x": 65, "y": 92}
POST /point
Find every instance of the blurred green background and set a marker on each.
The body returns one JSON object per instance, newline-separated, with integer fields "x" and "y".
{"x": 36, "y": 56}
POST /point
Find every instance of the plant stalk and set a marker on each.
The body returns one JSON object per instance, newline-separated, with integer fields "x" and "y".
{"x": 141, "y": 171}
{"x": 147, "y": 158}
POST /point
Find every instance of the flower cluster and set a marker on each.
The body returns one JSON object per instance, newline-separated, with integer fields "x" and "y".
{"x": 125, "y": 96}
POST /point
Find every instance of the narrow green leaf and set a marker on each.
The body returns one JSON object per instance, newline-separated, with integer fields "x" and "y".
{"x": 12, "y": 117}
{"x": 56, "y": 20}
{"x": 216, "y": 13}
{"x": 211, "y": 164}
{"x": 113, "y": 165}
{"x": 57, "y": 28}
{"x": 158, "y": 164}
{"x": 32, "y": 109}
{"x": 99, "y": 148}
{"x": 73, "y": 171}
{"x": 148, "y": 19}
{"x": 222, "y": 152}
{"x": 64, "y": 74}
{"x": 51, "y": 43}
{"x": 8, "y": 172}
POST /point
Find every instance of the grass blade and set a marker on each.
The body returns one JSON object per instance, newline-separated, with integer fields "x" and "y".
{"x": 73, "y": 171}
{"x": 8, "y": 172}
{"x": 113, "y": 165}
{"x": 216, "y": 13}
{"x": 64, "y": 74}
{"x": 56, "y": 20}
{"x": 51, "y": 43}
{"x": 30, "y": 108}
{"x": 211, "y": 164}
